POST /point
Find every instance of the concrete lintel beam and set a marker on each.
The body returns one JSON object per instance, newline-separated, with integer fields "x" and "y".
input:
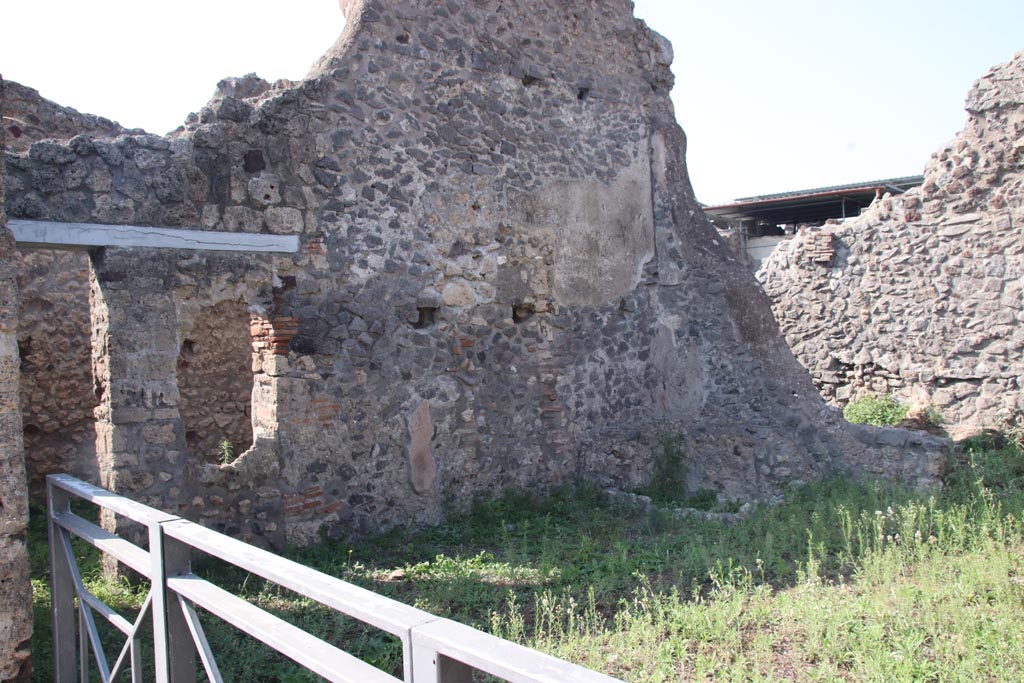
{"x": 77, "y": 236}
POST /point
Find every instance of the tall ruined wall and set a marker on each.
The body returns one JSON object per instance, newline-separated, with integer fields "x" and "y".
{"x": 922, "y": 296}
{"x": 57, "y": 394}
{"x": 503, "y": 281}
{"x": 16, "y": 623}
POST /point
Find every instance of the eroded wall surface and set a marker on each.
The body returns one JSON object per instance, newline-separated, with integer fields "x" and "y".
{"x": 16, "y": 623}
{"x": 29, "y": 117}
{"x": 504, "y": 281}
{"x": 922, "y": 295}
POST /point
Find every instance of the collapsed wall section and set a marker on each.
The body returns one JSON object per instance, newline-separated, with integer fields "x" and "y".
{"x": 503, "y": 281}
{"x": 29, "y": 117}
{"x": 921, "y": 296}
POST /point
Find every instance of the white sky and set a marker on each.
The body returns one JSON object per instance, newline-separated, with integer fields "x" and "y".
{"x": 774, "y": 96}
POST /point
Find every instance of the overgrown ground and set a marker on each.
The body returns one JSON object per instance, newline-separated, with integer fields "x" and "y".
{"x": 841, "y": 582}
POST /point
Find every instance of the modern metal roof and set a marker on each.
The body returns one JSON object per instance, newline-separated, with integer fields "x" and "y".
{"x": 814, "y": 205}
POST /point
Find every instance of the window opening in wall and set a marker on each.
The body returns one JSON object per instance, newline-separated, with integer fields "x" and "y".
{"x": 215, "y": 382}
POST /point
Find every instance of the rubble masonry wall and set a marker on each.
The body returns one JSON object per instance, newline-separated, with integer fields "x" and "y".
{"x": 504, "y": 281}
{"x": 922, "y": 295}
{"x": 16, "y": 624}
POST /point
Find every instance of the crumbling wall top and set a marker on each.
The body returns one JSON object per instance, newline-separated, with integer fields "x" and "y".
{"x": 921, "y": 294}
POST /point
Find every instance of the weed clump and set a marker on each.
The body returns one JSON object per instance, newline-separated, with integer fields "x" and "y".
{"x": 668, "y": 476}
{"x": 880, "y": 411}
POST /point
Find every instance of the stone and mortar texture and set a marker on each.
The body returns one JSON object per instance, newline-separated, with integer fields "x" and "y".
{"x": 504, "y": 281}
{"x": 57, "y": 394}
{"x": 54, "y": 338}
{"x": 922, "y": 295}
{"x": 16, "y": 608}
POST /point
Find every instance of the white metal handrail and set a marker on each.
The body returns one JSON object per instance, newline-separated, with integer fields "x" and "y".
{"x": 434, "y": 650}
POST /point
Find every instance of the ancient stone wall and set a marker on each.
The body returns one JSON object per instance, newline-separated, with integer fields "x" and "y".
{"x": 921, "y": 296}
{"x": 215, "y": 381}
{"x": 503, "y": 281}
{"x": 16, "y": 623}
{"x": 57, "y": 394}
{"x": 28, "y": 117}
{"x": 57, "y": 397}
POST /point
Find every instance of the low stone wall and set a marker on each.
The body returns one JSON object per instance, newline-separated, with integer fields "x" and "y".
{"x": 921, "y": 296}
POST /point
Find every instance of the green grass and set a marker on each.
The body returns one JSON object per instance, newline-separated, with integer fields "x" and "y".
{"x": 841, "y": 582}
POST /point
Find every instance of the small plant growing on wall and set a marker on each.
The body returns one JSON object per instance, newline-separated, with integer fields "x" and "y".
{"x": 933, "y": 417}
{"x": 225, "y": 451}
{"x": 1012, "y": 428}
{"x": 880, "y": 411}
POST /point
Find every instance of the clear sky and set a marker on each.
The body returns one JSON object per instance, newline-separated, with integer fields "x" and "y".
{"x": 774, "y": 96}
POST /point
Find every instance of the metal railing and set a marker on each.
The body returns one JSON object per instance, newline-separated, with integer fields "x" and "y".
{"x": 434, "y": 650}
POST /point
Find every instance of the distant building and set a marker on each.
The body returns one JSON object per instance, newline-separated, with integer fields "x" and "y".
{"x": 754, "y": 225}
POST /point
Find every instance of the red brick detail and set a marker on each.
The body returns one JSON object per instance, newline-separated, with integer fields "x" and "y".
{"x": 325, "y": 409}
{"x": 309, "y": 502}
{"x": 314, "y": 246}
{"x": 274, "y": 334}
{"x": 820, "y": 248}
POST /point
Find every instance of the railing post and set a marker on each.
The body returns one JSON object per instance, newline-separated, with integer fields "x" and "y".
{"x": 62, "y": 589}
{"x": 430, "y": 666}
{"x": 173, "y": 649}
{"x": 452, "y": 671}
{"x": 84, "y": 647}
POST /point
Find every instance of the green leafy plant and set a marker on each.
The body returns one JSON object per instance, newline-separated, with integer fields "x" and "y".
{"x": 702, "y": 499}
{"x": 668, "y": 477}
{"x": 880, "y": 411}
{"x": 225, "y": 451}
{"x": 933, "y": 417}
